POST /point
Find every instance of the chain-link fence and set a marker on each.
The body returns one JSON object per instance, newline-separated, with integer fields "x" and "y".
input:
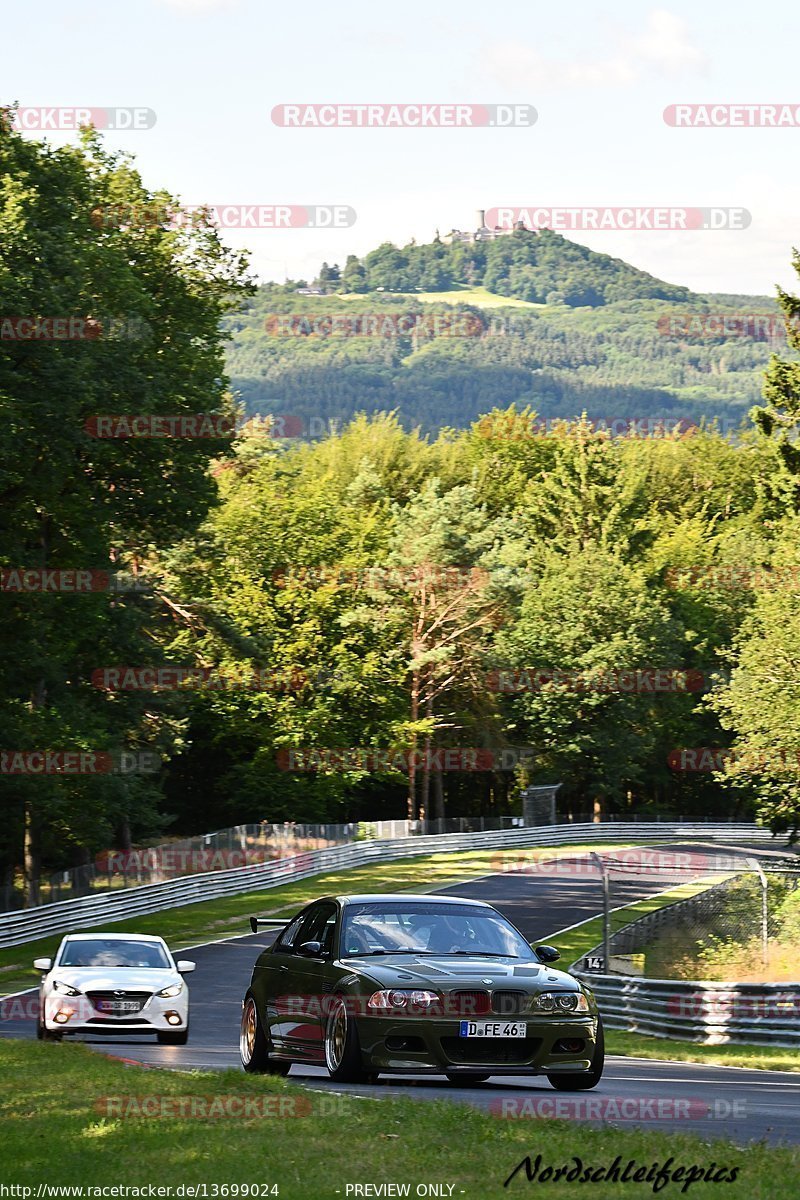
{"x": 239, "y": 846}
{"x": 741, "y": 920}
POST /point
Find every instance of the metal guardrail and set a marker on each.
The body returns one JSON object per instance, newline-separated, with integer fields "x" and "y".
{"x": 244, "y": 845}
{"x": 708, "y": 1012}
{"x": 697, "y": 1011}
{"x": 24, "y": 925}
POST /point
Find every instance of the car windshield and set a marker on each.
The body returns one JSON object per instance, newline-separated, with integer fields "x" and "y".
{"x": 395, "y": 927}
{"x": 113, "y": 952}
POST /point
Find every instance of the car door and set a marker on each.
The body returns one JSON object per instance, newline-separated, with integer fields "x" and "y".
{"x": 313, "y": 975}
{"x": 295, "y": 988}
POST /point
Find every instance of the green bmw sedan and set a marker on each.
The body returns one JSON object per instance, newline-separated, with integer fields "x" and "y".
{"x": 405, "y": 984}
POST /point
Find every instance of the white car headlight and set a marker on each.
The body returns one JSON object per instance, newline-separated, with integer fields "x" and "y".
{"x": 395, "y": 998}
{"x": 65, "y": 989}
{"x": 174, "y": 989}
{"x": 561, "y": 1002}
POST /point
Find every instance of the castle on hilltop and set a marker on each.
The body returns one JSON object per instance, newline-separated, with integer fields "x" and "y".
{"x": 482, "y": 233}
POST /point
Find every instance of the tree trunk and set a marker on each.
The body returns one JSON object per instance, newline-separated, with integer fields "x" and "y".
{"x": 412, "y": 766}
{"x": 31, "y": 861}
{"x": 426, "y": 766}
{"x": 124, "y": 834}
{"x": 438, "y": 793}
{"x": 30, "y": 853}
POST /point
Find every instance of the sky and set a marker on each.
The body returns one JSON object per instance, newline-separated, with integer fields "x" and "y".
{"x": 599, "y": 76}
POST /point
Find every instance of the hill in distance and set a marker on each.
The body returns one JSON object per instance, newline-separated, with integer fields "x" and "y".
{"x": 446, "y": 331}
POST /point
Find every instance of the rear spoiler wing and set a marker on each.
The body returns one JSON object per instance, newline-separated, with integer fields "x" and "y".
{"x": 257, "y": 923}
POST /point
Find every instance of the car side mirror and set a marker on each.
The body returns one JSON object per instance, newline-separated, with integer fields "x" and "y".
{"x": 547, "y": 954}
{"x": 42, "y": 964}
{"x": 185, "y": 966}
{"x": 310, "y": 949}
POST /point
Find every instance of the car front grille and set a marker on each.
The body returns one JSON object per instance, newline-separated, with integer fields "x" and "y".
{"x": 469, "y": 1003}
{"x": 500, "y": 1052}
{"x": 119, "y": 1003}
{"x": 103, "y": 1021}
{"x": 509, "y": 1004}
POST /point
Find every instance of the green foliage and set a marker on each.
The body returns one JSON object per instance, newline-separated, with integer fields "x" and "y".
{"x": 376, "y": 578}
{"x": 528, "y": 266}
{"x": 73, "y": 501}
{"x": 445, "y": 363}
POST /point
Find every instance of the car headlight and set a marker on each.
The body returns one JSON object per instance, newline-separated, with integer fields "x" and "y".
{"x": 561, "y": 1002}
{"x": 393, "y": 998}
{"x": 174, "y": 989}
{"x": 65, "y": 989}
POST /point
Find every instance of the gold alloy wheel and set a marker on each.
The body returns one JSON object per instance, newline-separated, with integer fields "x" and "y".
{"x": 247, "y": 1036}
{"x": 336, "y": 1036}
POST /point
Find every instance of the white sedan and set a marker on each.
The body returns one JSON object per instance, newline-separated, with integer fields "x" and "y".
{"x": 114, "y": 983}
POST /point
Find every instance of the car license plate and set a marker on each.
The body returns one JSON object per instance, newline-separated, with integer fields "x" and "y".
{"x": 493, "y": 1029}
{"x": 117, "y": 1007}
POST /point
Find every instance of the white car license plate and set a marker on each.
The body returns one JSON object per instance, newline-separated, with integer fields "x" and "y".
{"x": 117, "y": 1007}
{"x": 493, "y": 1029}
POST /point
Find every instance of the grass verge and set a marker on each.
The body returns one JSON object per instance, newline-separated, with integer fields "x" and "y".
{"x": 760, "y": 1058}
{"x": 65, "y": 1115}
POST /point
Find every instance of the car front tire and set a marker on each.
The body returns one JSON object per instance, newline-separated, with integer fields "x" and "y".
{"x": 342, "y": 1046}
{"x": 44, "y": 1034}
{"x": 254, "y": 1048}
{"x": 582, "y": 1081}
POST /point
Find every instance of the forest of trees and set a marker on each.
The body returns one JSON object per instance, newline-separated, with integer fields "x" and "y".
{"x": 444, "y": 365}
{"x": 374, "y": 590}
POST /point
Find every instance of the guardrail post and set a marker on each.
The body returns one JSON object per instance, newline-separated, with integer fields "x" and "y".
{"x": 764, "y": 912}
{"x": 606, "y": 912}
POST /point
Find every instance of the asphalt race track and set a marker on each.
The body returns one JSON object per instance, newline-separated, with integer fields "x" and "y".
{"x": 738, "y": 1104}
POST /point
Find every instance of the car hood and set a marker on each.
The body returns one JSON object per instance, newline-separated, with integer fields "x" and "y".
{"x": 447, "y": 973}
{"x": 103, "y": 979}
